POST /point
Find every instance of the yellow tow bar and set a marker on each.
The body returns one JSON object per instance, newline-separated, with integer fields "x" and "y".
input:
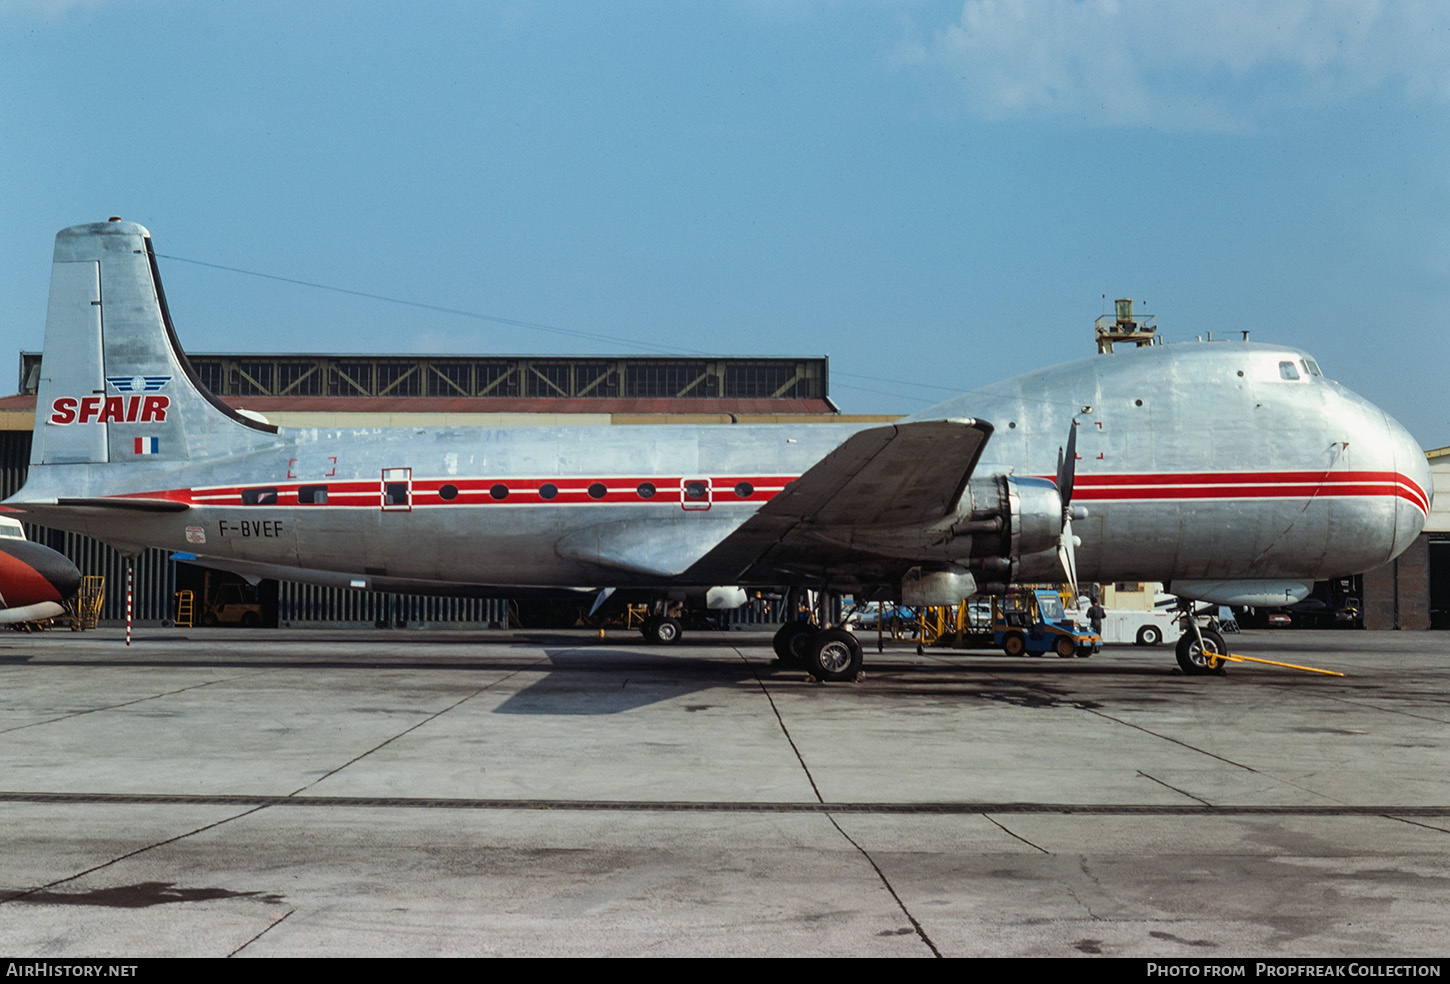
{"x": 1235, "y": 658}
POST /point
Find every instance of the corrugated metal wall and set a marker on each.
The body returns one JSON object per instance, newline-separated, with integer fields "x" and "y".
{"x": 299, "y": 604}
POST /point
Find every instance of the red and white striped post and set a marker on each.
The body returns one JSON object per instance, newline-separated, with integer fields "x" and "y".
{"x": 130, "y": 569}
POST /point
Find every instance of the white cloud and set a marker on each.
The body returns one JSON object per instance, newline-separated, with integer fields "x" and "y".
{"x": 1188, "y": 64}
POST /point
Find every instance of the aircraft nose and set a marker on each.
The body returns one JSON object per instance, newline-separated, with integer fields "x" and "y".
{"x": 31, "y": 573}
{"x": 1415, "y": 484}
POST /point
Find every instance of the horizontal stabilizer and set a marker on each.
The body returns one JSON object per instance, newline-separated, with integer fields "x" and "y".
{"x": 100, "y": 506}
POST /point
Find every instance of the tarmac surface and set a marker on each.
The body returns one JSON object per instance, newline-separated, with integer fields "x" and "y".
{"x": 387, "y": 793}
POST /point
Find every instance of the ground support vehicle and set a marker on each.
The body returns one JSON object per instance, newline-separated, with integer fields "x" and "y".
{"x": 1032, "y": 621}
{"x": 1124, "y": 625}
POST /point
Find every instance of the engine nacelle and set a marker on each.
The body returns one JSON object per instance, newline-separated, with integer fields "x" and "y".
{"x": 947, "y": 587}
{"x": 1003, "y": 526}
{"x": 1008, "y": 520}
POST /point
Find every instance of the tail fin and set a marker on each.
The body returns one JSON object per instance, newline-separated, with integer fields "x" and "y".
{"x": 115, "y": 385}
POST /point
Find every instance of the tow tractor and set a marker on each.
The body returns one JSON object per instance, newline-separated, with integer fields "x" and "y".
{"x": 1031, "y": 621}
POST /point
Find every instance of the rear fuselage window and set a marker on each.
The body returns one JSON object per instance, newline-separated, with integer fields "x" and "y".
{"x": 312, "y": 495}
{"x": 259, "y": 497}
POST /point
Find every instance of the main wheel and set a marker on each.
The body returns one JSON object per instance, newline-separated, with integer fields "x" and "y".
{"x": 1065, "y": 646}
{"x": 792, "y": 643}
{"x": 1197, "y": 660}
{"x": 1150, "y": 635}
{"x": 1014, "y": 644}
{"x": 835, "y": 655}
{"x": 668, "y": 631}
{"x": 647, "y": 628}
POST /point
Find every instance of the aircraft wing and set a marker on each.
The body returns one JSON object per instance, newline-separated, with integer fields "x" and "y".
{"x": 903, "y": 476}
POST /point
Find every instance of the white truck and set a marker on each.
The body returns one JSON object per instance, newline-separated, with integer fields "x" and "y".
{"x": 1142, "y": 628}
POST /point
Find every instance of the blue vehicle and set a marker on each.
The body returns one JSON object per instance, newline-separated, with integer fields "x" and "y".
{"x": 1032, "y": 622}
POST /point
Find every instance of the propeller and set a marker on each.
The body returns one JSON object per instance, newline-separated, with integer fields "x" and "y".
{"x": 1066, "y": 469}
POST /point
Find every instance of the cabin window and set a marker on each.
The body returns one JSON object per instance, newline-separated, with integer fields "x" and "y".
{"x": 448, "y": 492}
{"x": 312, "y": 495}
{"x": 695, "y": 493}
{"x": 548, "y": 490}
{"x": 1287, "y": 371}
{"x": 499, "y": 492}
{"x": 597, "y": 490}
{"x": 259, "y": 497}
{"x": 744, "y": 490}
{"x": 646, "y": 490}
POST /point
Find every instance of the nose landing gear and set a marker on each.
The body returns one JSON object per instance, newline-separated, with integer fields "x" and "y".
{"x": 1200, "y": 651}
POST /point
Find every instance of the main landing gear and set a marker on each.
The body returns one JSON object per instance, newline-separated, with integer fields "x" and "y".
{"x": 832, "y": 655}
{"x": 663, "y": 624}
{"x": 829, "y": 654}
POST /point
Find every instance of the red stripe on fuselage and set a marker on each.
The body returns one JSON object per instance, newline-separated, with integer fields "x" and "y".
{"x": 354, "y": 493}
{"x": 1251, "y": 485}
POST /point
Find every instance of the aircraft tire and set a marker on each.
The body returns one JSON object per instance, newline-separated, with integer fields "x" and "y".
{"x": 668, "y": 631}
{"x": 1193, "y": 660}
{"x": 792, "y": 643}
{"x": 1065, "y": 647}
{"x": 835, "y": 656}
{"x": 1149, "y": 635}
{"x": 647, "y": 628}
{"x": 1014, "y": 644}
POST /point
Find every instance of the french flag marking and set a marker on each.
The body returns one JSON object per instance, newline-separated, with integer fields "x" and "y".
{"x": 148, "y": 445}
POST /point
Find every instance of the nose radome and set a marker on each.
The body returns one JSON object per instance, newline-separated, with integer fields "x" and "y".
{"x": 56, "y": 568}
{"x": 1416, "y": 484}
{"x": 32, "y": 573}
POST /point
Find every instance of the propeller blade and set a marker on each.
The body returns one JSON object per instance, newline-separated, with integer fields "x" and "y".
{"x": 1066, "y": 471}
{"x": 1067, "y": 554}
{"x": 1067, "y": 466}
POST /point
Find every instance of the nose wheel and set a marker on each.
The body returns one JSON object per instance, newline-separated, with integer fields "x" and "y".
{"x": 1200, "y": 652}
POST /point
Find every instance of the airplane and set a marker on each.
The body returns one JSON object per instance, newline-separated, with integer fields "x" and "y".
{"x": 1234, "y": 472}
{"x": 35, "y": 581}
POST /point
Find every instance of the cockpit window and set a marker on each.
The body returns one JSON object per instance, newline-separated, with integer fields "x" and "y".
{"x": 1311, "y": 367}
{"x": 1287, "y": 371}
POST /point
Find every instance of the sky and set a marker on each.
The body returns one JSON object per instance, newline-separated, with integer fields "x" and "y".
{"x": 936, "y": 195}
